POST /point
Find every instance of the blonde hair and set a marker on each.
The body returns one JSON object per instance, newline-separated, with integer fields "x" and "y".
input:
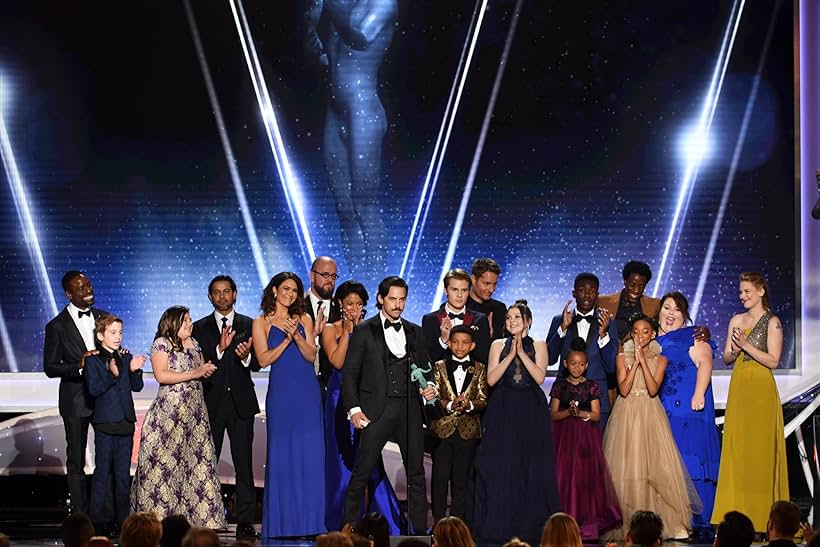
{"x": 142, "y": 529}
{"x": 516, "y": 542}
{"x": 561, "y": 530}
{"x": 452, "y": 532}
{"x": 759, "y": 281}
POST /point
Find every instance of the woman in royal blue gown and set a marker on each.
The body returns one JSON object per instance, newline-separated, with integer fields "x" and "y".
{"x": 515, "y": 483}
{"x": 294, "y": 500}
{"x": 686, "y": 395}
{"x": 340, "y": 437}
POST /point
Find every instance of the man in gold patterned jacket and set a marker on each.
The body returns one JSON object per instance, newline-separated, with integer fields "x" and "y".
{"x": 462, "y": 385}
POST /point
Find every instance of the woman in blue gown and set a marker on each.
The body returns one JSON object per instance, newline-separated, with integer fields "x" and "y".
{"x": 294, "y": 499}
{"x": 515, "y": 483}
{"x": 687, "y": 397}
{"x": 340, "y": 438}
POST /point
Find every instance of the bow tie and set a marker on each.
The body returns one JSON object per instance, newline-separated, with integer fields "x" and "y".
{"x": 460, "y": 365}
{"x": 80, "y": 313}
{"x": 456, "y": 315}
{"x": 388, "y": 324}
{"x": 587, "y": 318}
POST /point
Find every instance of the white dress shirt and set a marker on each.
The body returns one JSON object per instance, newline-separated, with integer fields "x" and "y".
{"x": 460, "y": 374}
{"x": 583, "y": 328}
{"x": 85, "y": 325}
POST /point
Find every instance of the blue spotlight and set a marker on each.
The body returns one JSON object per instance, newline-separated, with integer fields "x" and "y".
{"x": 21, "y": 204}
{"x": 488, "y": 115}
{"x": 239, "y": 189}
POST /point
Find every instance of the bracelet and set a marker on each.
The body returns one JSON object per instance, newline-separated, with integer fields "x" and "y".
{"x": 587, "y": 418}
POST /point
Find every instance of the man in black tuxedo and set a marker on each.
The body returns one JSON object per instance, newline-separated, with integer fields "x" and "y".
{"x": 224, "y": 337}
{"x": 595, "y": 326}
{"x": 318, "y": 301}
{"x": 438, "y": 324}
{"x": 69, "y": 339}
{"x": 381, "y": 402}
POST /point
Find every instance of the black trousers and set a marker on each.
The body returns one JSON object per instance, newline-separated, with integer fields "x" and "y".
{"x": 400, "y": 422}
{"x": 452, "y": 466}
{"x": 240, "y": 433}
{"x": 76, "y": 438}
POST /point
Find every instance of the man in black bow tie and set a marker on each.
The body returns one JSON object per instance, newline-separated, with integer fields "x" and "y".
{"x": 382, "y": 403}
{"x": 438, "y": 324}
{"x": 595, "y": 326}
{"x": 69, "y": 339}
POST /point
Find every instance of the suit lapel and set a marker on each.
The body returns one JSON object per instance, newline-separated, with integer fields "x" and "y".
{"x": 468, "y": 317}
{"x": 593, "y": 331}
{"x": 451, "y": 377}
{"x": 73, "y": 332}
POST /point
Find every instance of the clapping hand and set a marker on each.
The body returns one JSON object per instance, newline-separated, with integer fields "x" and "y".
{"x": 739, "y": 339}
{"x": 206, "y": 370}
{"x": 243, "y": 349}
{"x": 321, "y": 320}
{"x": 445, "y": 327}
{"x": 112, "y": 368}
{"x": 137, "y": 362}
{"x": 226, "y": 337}
{"x": 566, "y": 316}
{"x": 604, "y": 318}
{"x": 290, "y": 327}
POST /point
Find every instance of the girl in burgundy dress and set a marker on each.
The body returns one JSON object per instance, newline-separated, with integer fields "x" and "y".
{"x": 584, "y": 482}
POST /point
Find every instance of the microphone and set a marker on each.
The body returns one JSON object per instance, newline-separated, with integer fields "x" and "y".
{"x": 815, "y": 213}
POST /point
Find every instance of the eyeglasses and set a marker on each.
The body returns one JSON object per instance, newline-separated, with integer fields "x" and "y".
{"x": 326, "y": 275}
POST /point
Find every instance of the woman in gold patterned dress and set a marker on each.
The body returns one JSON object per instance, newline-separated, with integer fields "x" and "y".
{"x": 753, "y": 471}
{"x": 176, "y": 470}
{"x": 647, "y": 469}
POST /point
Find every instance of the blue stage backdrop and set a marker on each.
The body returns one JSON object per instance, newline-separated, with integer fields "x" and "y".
{"x": 157, "y": 144}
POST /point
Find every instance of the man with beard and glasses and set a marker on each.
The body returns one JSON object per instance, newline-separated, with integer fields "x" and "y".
{"x": 318, "y": 300}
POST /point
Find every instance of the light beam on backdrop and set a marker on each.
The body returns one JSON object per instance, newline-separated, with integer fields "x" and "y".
{"x": 701, "y": 130}
{"x": 11, "y": 360}
{"x": 290, "y": 184}
{"x": 258, "y": 258}
{"x": 446, "y": 128}
{"x": 730, "y": 177}
{"x": 21, "y": 204}
{"x": 485, "y": 125}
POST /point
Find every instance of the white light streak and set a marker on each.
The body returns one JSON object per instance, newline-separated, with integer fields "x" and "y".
{"x": 488, "y": 114}
{"x": 730, "y": 177}
{"x": 702, "y": 127}
{"x": 290, "y": 184}
{"x": 439, "y": 149}
{"x": 7, "y": 345}
{"x": 21, "y": 204}
{"x": 239, "y": 189}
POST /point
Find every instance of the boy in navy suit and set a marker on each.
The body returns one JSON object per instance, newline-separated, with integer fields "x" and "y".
{"x": 111, "y": 376}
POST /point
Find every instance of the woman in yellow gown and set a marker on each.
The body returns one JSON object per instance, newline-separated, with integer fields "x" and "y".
{"x": 753, "y": 471}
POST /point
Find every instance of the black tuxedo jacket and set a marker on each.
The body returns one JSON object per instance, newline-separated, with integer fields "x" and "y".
{"x": 477, "y": 321}
{"x": 63, "y": 350}
{"x": 229, "y": 370}
{"x": 364, "y": 383}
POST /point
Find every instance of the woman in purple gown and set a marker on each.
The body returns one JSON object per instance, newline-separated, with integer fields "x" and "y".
{"x": 584, "y": 482}
{"x": 340, "y": 438}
